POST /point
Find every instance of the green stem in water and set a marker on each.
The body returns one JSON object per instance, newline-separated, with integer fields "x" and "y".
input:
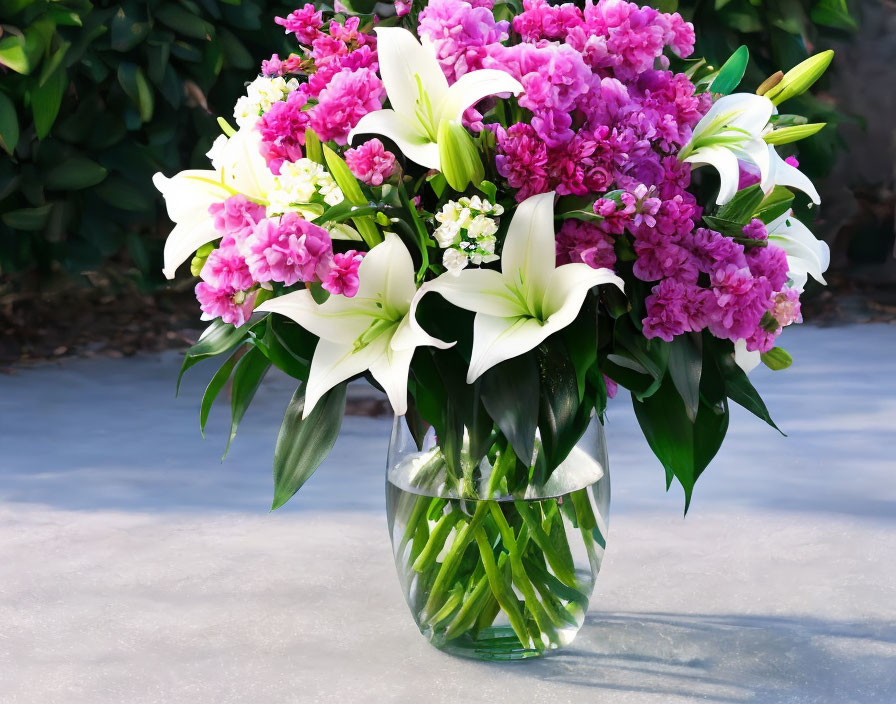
{"x": 560, "y": 568}
{"x": 506, "y": 600}
{"x": 436, "y": 542}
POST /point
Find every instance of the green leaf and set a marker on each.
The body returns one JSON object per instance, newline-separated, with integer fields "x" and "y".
{"x": 732, "y": 72}
{"x": 12, "y": 54}
{"x": 214, "y": 388}
{"x": 219, "y": 337}
{"x": 834, "y": 13}
{"x": 129, "y": 27}
{"x": 9, "y": 125}
{"x": 184, "y": 22}
{"x": 28, "y": 219}
{"x": 685, "y": 370}
{"x": 559, "y": 417}
{"x": 777, "y": 359}
{"x": 53, "y": 63}
{"x": 737, "y": 384}
{"x": 581, "y": 341}
{"x": 74, "y": 174}
{"x": 137, "y": 88}
{"x": 685, "y": 448}
{"x": 313, "y": 149}
{"x": 303, "y": 444}
{"x": 775, "y": 205}
{"x": 288, "y": 346}
{"x": 45, "y": 102}
{"x": 741, "y": 208}
{"x": 510, "y": 395}
{"x": 247, "y": 377}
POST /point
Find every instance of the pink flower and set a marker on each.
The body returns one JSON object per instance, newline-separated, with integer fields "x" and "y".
{"x": 675, "y": 308}
{"x": 282, "y": 130}
{"x": 236, "y": 217}
{"x": 288, "y": 250}
{"x": 402, "y": 8}
{"x": 342, "y": 276}
{"x": 370, "y": 162}
{"x": 305, "y": 23}
{"x": 579, "y": 241}
{"x": 741, "y": 300}
{"x": 232, "y": 306}
{"x": 226, "y": 268}
{"x": 755, "y": 230}
{"x": 769, "y": 262}
{"x": 539, "y": 20}
{"x": 787, "y": 307}
{"x": 347, "y": 98}
{"x": 460, "y": 33}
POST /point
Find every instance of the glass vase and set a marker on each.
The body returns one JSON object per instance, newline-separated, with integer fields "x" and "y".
{"x": 495, "y": 564}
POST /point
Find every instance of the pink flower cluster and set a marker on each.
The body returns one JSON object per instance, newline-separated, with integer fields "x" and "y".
{"x": 257, "y": 250}
{"x": 342, "y": 87}
{"x": 370, "y": 162}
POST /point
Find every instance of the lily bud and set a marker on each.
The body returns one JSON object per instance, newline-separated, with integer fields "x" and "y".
{"x": 786, "y": 135}
{"x": 458, "y": 156}
{"x": 199, "y": 260}
{"x": 800, "y": 78}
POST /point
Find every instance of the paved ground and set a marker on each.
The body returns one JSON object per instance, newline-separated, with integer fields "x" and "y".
{"x": 134, "y": 567}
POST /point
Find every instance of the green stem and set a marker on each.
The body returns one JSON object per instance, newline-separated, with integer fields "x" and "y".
{"x": 420, "y": 507}
{"x": 436, "y": 542}
{"x": 454, "y": 600}
{"x": 506, "y": 600}
{"x": 564, "y": 574}
{"x": 520, "y": 578}
{"x": 452, "y": 560}
{"x": 474, "y": 605}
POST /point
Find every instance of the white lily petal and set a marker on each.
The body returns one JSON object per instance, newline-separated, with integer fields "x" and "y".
{"x": 725, "y": 162}
{"x": 748, "y": 111}
{"x": 790, "y": 176}
{"x": 387, "y": 273}
{"x": 188, "y": 196}
{"x": 408, "y": 336}
{"x": 243, "y": 168}
{"x": 333, "y": 363}
{"x": 391, "y": 371}
{"x": 801, "y": 246}
{"x": 343, "y": 231}
{"x": 798, "y": 273}
{"x": 411, "y": 140}
{"x": 339, "y": 319}
{"x": 756, "y": 152}
{"x": 747, "y": 361}
{"x": 472, "y": 87}
{"x": 402, "y": 59}
{"x": 478, "y": 290}
{"x": 498, "y": 339}
{"x": 530, "y": 252}
{"x": 567, "y": 289}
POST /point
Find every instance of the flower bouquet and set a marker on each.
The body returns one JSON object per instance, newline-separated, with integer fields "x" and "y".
{"x": 497, "y": 215}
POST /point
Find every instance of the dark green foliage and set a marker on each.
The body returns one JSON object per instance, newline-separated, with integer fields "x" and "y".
{"x": 94, "y": 99}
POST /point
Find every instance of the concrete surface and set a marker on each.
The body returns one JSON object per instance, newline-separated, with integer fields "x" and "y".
{"x": 135, "y": 567}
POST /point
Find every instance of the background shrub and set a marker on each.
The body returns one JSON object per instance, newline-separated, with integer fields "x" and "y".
{"x": 96, "y": 97}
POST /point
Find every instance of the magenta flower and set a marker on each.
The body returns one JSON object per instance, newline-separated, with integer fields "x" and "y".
{"x": 282, "y": 130}
{"x": 225, "y": 268}
{"x": 288, "y": 249}
{"x": 342, "y": 276}
{"x": 305, "y": 23}
{"x": 370, "y": 162}
{"x": 236, "y": 217}
{"x": 579, "y": 241}
{"x": 348, "y": 97}
{"x": 232, "y": 306}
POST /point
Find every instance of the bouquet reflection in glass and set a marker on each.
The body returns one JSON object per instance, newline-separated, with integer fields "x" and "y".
{"x": 499, "y": 560}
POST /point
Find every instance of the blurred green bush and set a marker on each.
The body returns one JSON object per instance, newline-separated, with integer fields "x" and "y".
{"x": 97, "y": 96}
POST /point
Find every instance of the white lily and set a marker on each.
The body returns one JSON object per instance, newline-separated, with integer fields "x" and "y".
{"x": 529, "y": 299}
{"x": 371, "y": 331}
{"x": 239, "y": 168}
{"x": 806, "y": 255}
{"x": 420, "y": 96}
{"x": 732, "y": 132}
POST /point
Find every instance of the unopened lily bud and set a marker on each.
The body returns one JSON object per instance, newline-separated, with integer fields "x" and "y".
{"x": 770, "y": 83}
{"x": 458, "y": 156}
{"x": 199, "y": 260}
{"x": 800, "y": 78}
{"x": 786, "y": 135}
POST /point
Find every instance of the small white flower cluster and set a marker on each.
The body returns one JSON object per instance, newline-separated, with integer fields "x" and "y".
{"x": 298, "y": 184}
{"x": 467, "y": 233}
{"x": 261, "y": 93}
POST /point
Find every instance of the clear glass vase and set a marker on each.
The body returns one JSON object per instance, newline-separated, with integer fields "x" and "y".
{"x": 493, "y": 566}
